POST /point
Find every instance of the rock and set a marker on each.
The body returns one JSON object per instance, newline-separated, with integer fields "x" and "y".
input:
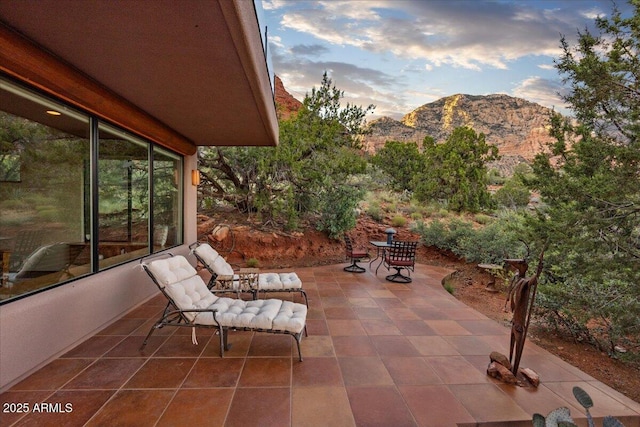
{"x": 496, "y": 370}
{"x": 620, "y": 349}
{"x": 531, "y": 376}
{"x": 500, "y": 358}
{"x": 518, "y": 128}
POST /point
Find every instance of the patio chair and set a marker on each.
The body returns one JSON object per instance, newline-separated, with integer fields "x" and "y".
{"x": 355, "y": 256}
{"x": 53, "y": 260}
{"x": 400, "y": 256}
{"x": 27, "y": 241}
{"x": 192, "y": 304}
{"x": 225, "y": 279}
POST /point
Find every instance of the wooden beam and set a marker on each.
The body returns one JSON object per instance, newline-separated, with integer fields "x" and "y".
{"x": 27, "y": 62}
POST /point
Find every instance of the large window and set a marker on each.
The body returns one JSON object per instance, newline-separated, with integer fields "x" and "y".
{"x": 77, "y": 195}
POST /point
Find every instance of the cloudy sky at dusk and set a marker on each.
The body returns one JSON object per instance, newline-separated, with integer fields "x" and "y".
{"x": 399, "y": 55}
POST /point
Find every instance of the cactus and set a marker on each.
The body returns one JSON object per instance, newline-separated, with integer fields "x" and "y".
{"x": 561, "y": 417}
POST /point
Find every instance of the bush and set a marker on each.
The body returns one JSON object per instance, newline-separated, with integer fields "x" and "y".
{"x": 489, "y": 244}
{"x": 338, "y": 210}
{"x": 375, "y": 212}
{"x": 398, "y": 221}
{"x": 253, "y": 263}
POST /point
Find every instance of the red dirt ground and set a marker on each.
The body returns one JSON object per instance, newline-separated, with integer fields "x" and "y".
{"x": 275, "y": 249}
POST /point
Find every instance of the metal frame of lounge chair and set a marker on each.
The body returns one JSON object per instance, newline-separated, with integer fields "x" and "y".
{"x": 183, "y": 275}
{"x": 234, "y": 283}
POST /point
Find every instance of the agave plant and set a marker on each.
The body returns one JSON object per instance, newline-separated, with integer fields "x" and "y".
{"x": 561, "y": 417}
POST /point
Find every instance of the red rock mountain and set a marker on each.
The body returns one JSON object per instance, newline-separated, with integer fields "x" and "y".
{"x": 286, "y": 104}
{"x": 519, "y": 128}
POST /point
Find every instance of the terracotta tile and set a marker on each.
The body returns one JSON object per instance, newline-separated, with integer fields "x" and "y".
{"x": 468, "y": 315}
{"x": 603, "y": 404}
{"x": 386, "y": 303}
{"x": 317, "y": 346}
{"x": 484, "y": 327}
{"x": 432, "y": 346}
{"x": 106, "y": 374}
{"x": 447, "y": 327}
{"x": 123, "y": 326}
{"x": 181, "y": 346}
{"x": 370, "y": 313}
{"x": 540, "y": 400}
{"x": 215, "y": 372}
{"x": 379, "y": 406}
{"x": 380, "y": 327}
{"x": 413, "y": 301}
{"x": 201, "y": 407}
{"x": 545, "y": 366}
{"x": 413, "y": 327}
{"x": 469, "y": 345}
{"x": 95, "y": 346}
{"x": 456, "y": 370}
{"x": 340, "y": 313}
{"x": 401, "y": 313}
{"x": 426, "y": 313}
{"x": 364, "y": 371}
{"x": 501, "y": 408}
{"x": 321, "y": 406}
{"x": 138, "y": 408}
{"x": 146, "y": 311}
{"x": 54, "y": 375}
{"x": 354, "y": 346}
{"x": 410, "y": 370}
{"x": 383, "y": 293}
{"x": 393, "y": 346}
{"x": 345, "y": 327}
{"x": 266, "y": 372}
{"x": 131, "y": 347}
{"x": 270, "y": 345}
{"x": 74, "y": 408}
{"x": 435, "y": 405}
{"x": 254, "y": 406}
{"x": 239, "y": 342}
{"x": 317, "y": 371}
{"x": 317, "y": 327}
{"x": 161, "y": 373}
{"x": 144, "y": 329}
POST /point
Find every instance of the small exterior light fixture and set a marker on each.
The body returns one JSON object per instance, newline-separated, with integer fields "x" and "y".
{"x": 389, "y": 232}
{"x": 195, "y": 177}
{"x": 53, "y": 113}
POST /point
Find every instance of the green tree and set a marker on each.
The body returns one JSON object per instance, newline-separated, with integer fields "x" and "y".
{"x": 589, "y": 183}
{"x": 317, "y": 154}
{"x": 401, "y": 161}
{"x": 456, "y": 170}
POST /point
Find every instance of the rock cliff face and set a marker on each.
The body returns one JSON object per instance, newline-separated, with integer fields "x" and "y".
{"x": 518, "y": 128}
{"x": 286, "y": 104}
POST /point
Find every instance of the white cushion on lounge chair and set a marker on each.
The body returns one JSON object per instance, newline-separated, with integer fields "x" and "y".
{"x": 221, "y": 267}
{"x": 277, "y": 281}
{"x": 207, "y": 253}
{"x": 187, "y": 289}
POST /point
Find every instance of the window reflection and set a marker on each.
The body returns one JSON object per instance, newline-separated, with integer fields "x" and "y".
{"x": 123, "y": 194}
{"x": 42, "y": 221}
{"x": 47, "y": 211}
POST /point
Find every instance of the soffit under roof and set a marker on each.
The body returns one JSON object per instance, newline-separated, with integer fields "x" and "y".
{"x": 197, "y": 66}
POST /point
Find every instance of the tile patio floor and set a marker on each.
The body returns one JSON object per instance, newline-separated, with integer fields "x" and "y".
{"x": 377, "y": 354}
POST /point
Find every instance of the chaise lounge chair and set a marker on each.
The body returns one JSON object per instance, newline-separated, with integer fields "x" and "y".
{"x": 192, "y": 304}
{"x": 225, "y": 279}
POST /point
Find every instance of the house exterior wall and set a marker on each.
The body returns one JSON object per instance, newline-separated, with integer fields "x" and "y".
{"x": 37, "y": 329}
